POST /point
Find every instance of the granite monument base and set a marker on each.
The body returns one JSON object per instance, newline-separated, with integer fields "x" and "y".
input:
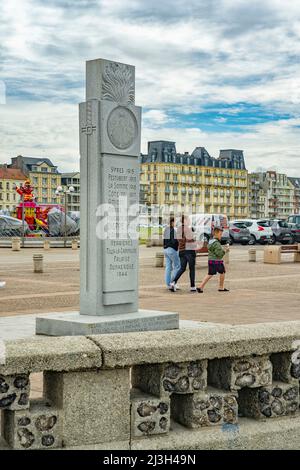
{"x": 74, "y": 324}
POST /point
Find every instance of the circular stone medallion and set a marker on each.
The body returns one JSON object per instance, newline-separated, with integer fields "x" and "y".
{"x": 122, "y": 128}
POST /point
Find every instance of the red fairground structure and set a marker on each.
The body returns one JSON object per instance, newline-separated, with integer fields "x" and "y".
{"x": 36, "y": 215}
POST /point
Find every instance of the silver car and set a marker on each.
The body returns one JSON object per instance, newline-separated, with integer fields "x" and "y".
{"x": 239, "y": 233}
{"x": 282, "y": 233}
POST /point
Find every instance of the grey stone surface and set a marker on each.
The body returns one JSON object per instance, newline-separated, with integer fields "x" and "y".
{"x": 23, "y": 326}
{"x": 280, "y": 434}
{"x": 36, "y": 428}
{"x": 14, "y": 392}
{"x": 98, "y": 73}
{"x": 210, "y": 408}
{"x": 40, "y": 353}
{"x": 110, "y": 135}
{"x": 149, "y": 415}
{"x": 234, "y": 374}
{"x": 114, "y": 445}
{"x": 95, "y": 405}
{"x": 17, "y": 327}
{"x": 164, "y": 379}
{"x": 286, "y": 366}
{"x": 72, "y": 324}
{"x": 194, "y": 344}
{"x": 270, "y": 402}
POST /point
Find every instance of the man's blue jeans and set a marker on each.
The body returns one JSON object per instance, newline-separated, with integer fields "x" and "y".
{"x": 172, "y": 264}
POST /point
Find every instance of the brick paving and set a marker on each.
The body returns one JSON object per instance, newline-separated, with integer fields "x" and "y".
{"x": 258, "y": 292}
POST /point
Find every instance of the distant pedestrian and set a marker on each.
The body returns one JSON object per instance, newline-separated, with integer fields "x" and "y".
{"x": 187, "y": 253}
{"x": 215, "y": 261}
{"x": 2, "y": 284}
{"x": 171, "y": 252}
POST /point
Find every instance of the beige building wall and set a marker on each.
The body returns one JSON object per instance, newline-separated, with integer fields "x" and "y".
{"x": 45, "y": 183}
{"x": 213, "y": 190}
{"x": 9, "y": 198}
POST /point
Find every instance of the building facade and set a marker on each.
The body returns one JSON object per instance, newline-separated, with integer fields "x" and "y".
{"x": 43, "y": 175}
{"x": 271, "y": 195}
{"x": 198, "y": 180}
{"x": 257, "y": 197}
{"x": 296, "y": 185}
{"x": 73, "y": 199}
{"x": 9, "y": 178}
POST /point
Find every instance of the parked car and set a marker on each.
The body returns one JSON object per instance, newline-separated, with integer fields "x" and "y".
{"x": 293, "y": 222}
{"x": 294, "y": 219}
{"x": 260, "y": 233}
{"x": 203, "y": 225}
{"x": 12, "y": 227}
{"x": 296, "y": 233}
{"x": 239, "y": 233}
{"x": 282, "y": 233}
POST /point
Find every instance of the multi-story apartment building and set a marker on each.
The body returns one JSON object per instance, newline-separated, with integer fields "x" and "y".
{"x": 257, "y": 197}
{"x": 43, "y": 175}
{"x": 73, "y": 198}
{"x": 9, "y": 198}
{"x": 296, "y": 185}
{"x": 271, "y": 195}
{"x": 197, "y": 180}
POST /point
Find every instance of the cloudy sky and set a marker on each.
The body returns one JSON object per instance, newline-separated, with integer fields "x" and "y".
{"x": 212, "y": 73}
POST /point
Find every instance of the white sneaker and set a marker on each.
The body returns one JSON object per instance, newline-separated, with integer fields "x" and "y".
{"x": 177, "y": 287}
{"x": 173, "y": 287}
{"x": 193, "y": 289}
{"x": 2, "y": 284}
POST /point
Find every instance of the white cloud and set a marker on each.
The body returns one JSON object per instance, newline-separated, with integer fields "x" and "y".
{"x": 40, "y": 129}
{"x": 264, "y": 146}
{"x": 187, "y": 55}
{"x": 155, "y": 117}
{"x": 220, "y": 119}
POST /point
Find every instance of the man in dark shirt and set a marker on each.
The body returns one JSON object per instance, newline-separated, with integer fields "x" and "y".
{"x": 171, "y": 253}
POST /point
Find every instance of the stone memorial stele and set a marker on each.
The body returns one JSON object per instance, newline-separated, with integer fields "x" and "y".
{"x": 110, "y": 138}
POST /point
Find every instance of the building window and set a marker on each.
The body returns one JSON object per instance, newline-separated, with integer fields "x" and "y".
{"x": 44, "y": 170}
{"x": 7, "y": 186}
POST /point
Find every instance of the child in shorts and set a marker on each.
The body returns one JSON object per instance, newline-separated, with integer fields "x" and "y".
{"x": 216, "y": 253}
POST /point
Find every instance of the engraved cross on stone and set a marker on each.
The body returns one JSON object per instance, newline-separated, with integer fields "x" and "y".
{"x": 88, "y": 130}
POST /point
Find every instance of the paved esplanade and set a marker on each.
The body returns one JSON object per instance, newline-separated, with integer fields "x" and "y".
{"x": 258, "y": 292}
{"x": 110, "y": 144}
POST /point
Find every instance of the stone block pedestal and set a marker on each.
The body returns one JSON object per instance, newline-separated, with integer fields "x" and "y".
{"x": 36, "y": 428}
{"x": 95, "y": 405}
{"x": 73, "y": 324}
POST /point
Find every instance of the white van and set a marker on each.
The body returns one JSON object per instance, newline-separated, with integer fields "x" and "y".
{"x": 204, "y": 224}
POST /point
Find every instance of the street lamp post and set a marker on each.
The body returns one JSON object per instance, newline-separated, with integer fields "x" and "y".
{"x": 65, "y": 191}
